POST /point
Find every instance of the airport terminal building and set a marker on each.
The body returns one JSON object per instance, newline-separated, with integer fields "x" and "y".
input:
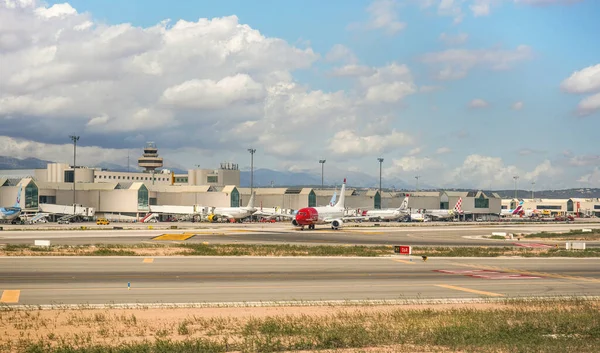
{"x": 119, "y": 195}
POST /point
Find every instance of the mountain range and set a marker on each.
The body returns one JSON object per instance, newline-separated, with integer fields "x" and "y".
{"x": 312, "y": 178}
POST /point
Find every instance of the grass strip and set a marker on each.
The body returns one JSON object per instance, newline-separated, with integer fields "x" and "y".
{"x": 565, "y": 326}
{"x": 573, "y": 234}
{"x": 284, "y": 250}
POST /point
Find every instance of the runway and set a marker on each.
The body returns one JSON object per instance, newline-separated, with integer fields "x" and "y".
{"x": 462, "y": 235}
{"x": 104, "y": 280}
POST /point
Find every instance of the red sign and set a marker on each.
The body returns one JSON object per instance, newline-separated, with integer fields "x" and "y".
{"x": 402, "y": 250}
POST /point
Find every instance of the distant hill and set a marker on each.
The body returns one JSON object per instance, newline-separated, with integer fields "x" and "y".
{"x": 312, "y": 178}
{"x": 9, "y": 163}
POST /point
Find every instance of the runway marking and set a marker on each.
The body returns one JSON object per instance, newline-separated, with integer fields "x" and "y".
{"x": 533, "y": 245}
{"x": 148, "y": 261}
{"x": 182, "y": 236}
{"x": 531, "y": 273}
{"x": 10, "y": 296}
{"x": 405, "y": 262}
{"x": 475, "y": 291}
{"x": 488, "y": 274}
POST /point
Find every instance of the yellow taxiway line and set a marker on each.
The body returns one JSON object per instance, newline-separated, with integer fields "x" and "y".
{"x": 148, "y": 261}
{"x": 181, "y": 236}
{"x": 475, "y": 291}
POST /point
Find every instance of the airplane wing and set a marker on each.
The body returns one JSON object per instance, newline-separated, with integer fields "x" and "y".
{"x": 345, "y": 218}
{"x": 270, "y": 215}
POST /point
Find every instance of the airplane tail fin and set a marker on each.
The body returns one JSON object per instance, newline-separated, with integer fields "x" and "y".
{"x": 18, "y": 203}
{"x": 342, "y": 199}
{"x": 404, "y": 205}
{"x": 458, "y": 206}
{"x": 251, "y": 201}
{"x": 333, "y": 198}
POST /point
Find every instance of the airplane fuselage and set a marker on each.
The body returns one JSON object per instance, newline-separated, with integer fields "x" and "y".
{"x": 310, "y": 216}
{"x": 385, "y": 215}
{"x": 9, "y": 214}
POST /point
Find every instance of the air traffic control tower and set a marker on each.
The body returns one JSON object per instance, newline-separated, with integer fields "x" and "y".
{"x": 150, "y": 160}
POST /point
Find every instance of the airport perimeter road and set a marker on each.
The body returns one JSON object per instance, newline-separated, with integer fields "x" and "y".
{"x": 284, "y": 234}
{"x": 102, "y": 280}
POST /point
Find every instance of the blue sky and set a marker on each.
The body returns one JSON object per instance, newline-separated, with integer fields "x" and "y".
{"x": 464, "y": 93}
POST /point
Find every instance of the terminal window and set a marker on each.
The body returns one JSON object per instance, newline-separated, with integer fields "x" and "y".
{"x": 212, "y": 179}
{"x": 542, "y": 207}
{"x": 482, "y": 203}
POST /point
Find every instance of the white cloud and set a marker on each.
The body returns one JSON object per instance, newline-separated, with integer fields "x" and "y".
{"x": 349, "y": 143}
{"x": 57, "y": 10}
{"x": 456, "y": 63}
{"x": 547, "y": 2}
{"x": 63, "y": 153}
{"x": 480, "y": 8}
{"x": 415, "y": 151}
{"x": 388, "y": 84}
{"x": 589, "y": 105}
{"x": 403, "y": 165}
{"x": 478, "y": 171}
{"x": 545, "y": 169}
{"x": 592, "y": 178}
{"x": 341, "y": 53}
{"x": 478, "y": 103}
{"x": 210, "y": 94}
{"x": 454, "y": 39}
{"x": 352, "y": 71}
{"x": 517, "y": 105}
{"x": 586, "y": 80}
{"x": 383, "y": 16}
{"x": 443, "y": 150}
{"x": 585, "y": 160}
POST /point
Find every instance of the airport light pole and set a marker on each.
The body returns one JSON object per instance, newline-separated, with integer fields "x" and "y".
{"x": 74, "y": 139}
{"x": 417, "y": 177}
{"x": 516, "y": 177}
{"x": 322, "y": 161}
{"x": 532, "y": 187}
{"x": 252, "y": 151}
{"x": 380, "y": 163}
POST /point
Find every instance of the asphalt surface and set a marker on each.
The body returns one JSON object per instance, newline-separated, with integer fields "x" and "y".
{"x": 104, "y": 280}
{"x": 444, "y": 235}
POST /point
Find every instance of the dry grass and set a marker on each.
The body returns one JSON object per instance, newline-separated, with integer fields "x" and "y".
{"x": 568, "y": 325}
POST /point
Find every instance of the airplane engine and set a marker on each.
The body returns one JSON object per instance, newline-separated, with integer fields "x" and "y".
{"x": 337, "y": 223}
{"x": 295, "y": 223}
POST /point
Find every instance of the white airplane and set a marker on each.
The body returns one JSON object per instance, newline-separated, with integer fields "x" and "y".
{"x": 445, "y": 214}
{"x": 268, "y": 214}
{"x": 236, "y": 213}
{"x": 516, "y": 211}
{"x": 390, "y": 214}
{"x": 9, "y": 214}
{"x": 332, "y": 215}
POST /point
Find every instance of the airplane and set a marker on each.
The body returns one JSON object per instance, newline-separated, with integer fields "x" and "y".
{"x": 390, "y": 214}
{"x": 9, "y": 214}
{"x": 237, "y": 213}
{"x": 445, "y": 214}
{"x": 516, "y": 211}
{"x": 277, "y": 212}
{"x": 333, "y": 215}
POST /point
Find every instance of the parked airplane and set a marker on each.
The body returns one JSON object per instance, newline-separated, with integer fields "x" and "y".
{"x": 445, "y": 214}
{"x": 333, "y": 215}
{"x": 236, "y": 213}
{"x": 9, "y": 214}
{"x": 514, "y": 212}
{"x": 268, "y": 214}
{"x": 390, "y": 214}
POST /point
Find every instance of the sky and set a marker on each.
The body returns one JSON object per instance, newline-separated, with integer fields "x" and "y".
{"x": 462, "y": 93}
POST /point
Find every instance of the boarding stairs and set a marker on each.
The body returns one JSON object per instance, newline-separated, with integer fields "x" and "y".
{"x": 38, "y": 217}
{"x": 150, "y": 217}
{"x": 67, "y": 217}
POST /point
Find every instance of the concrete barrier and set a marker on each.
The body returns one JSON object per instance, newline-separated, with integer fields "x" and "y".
{"x": 586, "y": 230}
{"x": 575, "y": 245}
{"x": 41, "y": 242}
{"x": 502, "y": 234}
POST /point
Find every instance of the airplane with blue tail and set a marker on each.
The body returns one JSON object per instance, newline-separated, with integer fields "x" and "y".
{"x": 9, "y": 214}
